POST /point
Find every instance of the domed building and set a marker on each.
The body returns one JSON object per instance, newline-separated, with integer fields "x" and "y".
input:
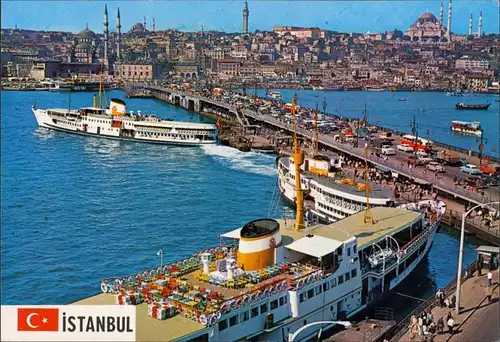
{"x": 426, "y": 27}
{"x": 85, "y": 47}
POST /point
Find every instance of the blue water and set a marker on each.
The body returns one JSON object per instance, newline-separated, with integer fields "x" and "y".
{"x": 385, "y": 109}
{"x": 78, "y": 209}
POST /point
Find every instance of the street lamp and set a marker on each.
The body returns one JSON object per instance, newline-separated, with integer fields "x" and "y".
{"x": 160, "y": 254}
{"x": 291, "y": 337}
{"x": 461, "y": 253}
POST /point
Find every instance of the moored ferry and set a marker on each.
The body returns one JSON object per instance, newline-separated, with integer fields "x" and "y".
{"x": 467, "y": 127}
{"x": 115, "y": 123}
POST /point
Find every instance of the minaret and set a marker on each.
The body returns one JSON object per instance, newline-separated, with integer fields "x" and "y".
{"x": 154, "y": 26}
{"x": 245, "y": 18}
{"x": 145, "y": 27}
{"x": 441, "y": 14}
{"x": 118, "y": 36}
{"x": 480, "y": 25}
{"x": 470, "y": 25}
{"x": 106, "y": 31}
{"x": 448, "y": 32}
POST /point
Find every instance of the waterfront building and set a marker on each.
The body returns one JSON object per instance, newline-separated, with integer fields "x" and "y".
{"x": 477, "y": 82}
{"x": 136, "y": 71}
{"x": 228, "y": 66}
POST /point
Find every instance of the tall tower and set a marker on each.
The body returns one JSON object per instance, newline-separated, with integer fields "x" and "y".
{"x": 144, "y": 25}
{"x": 480, "y": 25}
{"x": 441, "y": 14}
{"x": 118, "y": 36}
{"x": 245, "y": 18}
{"x": 106, "y": 32}
{"x": 470, "y": 25}
{"x": 154, "y": 26}
{"x": 448, "y": 32}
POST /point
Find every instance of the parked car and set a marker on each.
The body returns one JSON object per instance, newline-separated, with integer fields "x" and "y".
{"x": 387, "y": 150}
{"x": 491, "y": 180}
{"x": 435, "y": 166}
{"x": 413, "y": 160}
{"x": 470, "y": 169}
{"x": 404, "y": 148}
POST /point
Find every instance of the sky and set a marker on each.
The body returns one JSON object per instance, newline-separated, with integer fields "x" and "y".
{"x": 188, "y": 15}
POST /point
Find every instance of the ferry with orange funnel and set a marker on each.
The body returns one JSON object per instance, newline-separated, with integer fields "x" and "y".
{"x": 270, "y": 278}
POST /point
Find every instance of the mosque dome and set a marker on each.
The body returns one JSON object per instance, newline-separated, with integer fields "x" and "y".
{"x": 427, "y": 17}
{"x": 137, "y": 28}
{"x": 86, "y": 34}
{"x": 84, "y": 46}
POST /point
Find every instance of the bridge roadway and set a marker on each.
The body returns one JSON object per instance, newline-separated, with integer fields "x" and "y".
{"x": 443, "y": 181}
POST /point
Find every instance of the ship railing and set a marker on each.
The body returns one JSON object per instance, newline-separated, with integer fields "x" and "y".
{"x": 399, "y": 330}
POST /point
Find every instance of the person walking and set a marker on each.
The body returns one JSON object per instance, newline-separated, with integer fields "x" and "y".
{"x": 440, "y": 298}
{"x": 479, "y": 266}
{"x": 440, "y": 325}
{"x": 450, "y": 324}
{"x": 490, "y": 278}
{"x": 489, "y": 293}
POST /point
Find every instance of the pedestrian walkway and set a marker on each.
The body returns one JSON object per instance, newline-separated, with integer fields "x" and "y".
{"x": 473, "y": 293}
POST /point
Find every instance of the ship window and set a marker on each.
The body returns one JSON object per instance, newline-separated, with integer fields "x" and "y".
{"x": 302, "y": 297}
{"x": 326, "y": 286}
{"x": 274, "y": 304}
{"x": 347, "y": 276}
{"x": 255, "y": 312}
{"x": 353, "y": 273}
{"x": 263, "y": 308}
{"x": 318, "y": 290}
{"x": 233, "y": 320}
{"x": 244, "y": 316}
{"x": 310, "y": 293}
{"x": 354, "y": 249}
{"x": 341, "y": 279}
{"x": 223, "y": 325}
{"x": 282, "y": 301}
{"x": 348, "y": 251}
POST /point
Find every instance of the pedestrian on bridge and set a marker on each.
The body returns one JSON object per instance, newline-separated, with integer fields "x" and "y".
{"x": 440, "y": 325}
{"x": 450, "y": 324}
{"x": 490, "y": 278}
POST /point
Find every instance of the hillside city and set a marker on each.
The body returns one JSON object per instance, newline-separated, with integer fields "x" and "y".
{"x": 424, "y": 56}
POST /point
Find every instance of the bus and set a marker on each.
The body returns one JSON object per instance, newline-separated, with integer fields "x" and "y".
{"x": 417, "y": 143}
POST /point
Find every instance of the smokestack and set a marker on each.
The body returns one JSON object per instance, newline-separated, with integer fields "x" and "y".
{"x": 441, "y": 14}
{"x": 448, "y": 34}
{"x": 470, "y": 25}
{"x": 480, "y": 25}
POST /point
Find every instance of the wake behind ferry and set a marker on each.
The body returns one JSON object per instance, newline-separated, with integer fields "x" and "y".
{"x": 115, "y": 123}
{"x": 271, "y": 278}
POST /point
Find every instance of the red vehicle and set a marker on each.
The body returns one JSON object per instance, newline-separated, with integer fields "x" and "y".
{"x": 414, "y": 160}
{"x": 490, "y": 169}
{"x": 417, "y": 143}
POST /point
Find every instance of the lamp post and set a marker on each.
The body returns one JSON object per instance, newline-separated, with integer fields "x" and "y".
{"x": 291, "y": 337}
{"x": 160, "y": 254}
{"x": 461, "y": 253}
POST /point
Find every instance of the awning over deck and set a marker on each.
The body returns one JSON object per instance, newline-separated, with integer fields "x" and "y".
{"x": 233, "y": 234}
{"x": 316, "y": 246}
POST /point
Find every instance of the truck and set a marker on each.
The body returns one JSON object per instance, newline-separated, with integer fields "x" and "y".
{"x": 490, "y": 169}
{"x": 449, "y": 158}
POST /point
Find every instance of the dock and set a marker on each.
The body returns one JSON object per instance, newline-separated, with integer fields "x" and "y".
{"x": 442, "y": 184}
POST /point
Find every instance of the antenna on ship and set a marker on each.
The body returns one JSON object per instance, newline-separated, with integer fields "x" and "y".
{"x": 368, "y": 216}
{"x": 298, "y": 160}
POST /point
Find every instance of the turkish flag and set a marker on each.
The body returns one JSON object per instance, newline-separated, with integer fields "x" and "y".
{"x": 37, "y": 319}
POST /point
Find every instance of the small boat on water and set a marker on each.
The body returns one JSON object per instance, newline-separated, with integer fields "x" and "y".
{"x": 402, "y": 99}
{"x": 274, "y": 94}
{"x": 467, "y": 127}
{"x": 483, "y": 106}
{"x": 264, "y": 149}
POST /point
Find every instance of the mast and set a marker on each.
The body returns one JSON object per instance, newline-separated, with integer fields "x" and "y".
{"x": 298, "y": 160}
{"x": 368, "y": 216}
{"x": 316, "y": 131}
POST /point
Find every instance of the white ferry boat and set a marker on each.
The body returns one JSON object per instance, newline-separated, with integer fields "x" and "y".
{"x": 333, "y": 197}
{"x": 467, "y": 127}
{"x": 279, "y": 280}
{"x": 115, "y": 123}
{"x": 274, "y": 94}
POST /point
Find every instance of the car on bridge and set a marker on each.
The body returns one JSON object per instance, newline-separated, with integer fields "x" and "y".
{"x": 404, "y": 148}
{"x": 435, "y": 166}
{"x": 414, "y": 160}
{"x": 470, "y": 169}
{"x": 387, "y": 150}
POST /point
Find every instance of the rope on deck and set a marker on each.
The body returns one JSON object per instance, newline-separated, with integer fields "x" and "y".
{"x": 404, "y": 295}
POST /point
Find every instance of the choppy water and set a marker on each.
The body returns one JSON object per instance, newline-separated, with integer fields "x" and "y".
{"x": 78, "y": 209}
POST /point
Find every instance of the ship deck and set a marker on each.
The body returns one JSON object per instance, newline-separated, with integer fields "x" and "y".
{"x": 148, "y": 328}
{"x": 388, "y": 221}
{"x": 377, "y": 192}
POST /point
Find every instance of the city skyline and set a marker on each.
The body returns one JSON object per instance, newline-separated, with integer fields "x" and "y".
{"x": 264, "y": 15}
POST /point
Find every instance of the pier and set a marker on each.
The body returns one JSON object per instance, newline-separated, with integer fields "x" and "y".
{"x": 443, "y": 183}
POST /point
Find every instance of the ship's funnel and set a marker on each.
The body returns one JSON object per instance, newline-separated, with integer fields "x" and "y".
{"x": 117, "y": 107}
{"x": 258, "y": 242}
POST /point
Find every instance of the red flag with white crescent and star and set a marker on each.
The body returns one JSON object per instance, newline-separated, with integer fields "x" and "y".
{"x": 37, "y": 319}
